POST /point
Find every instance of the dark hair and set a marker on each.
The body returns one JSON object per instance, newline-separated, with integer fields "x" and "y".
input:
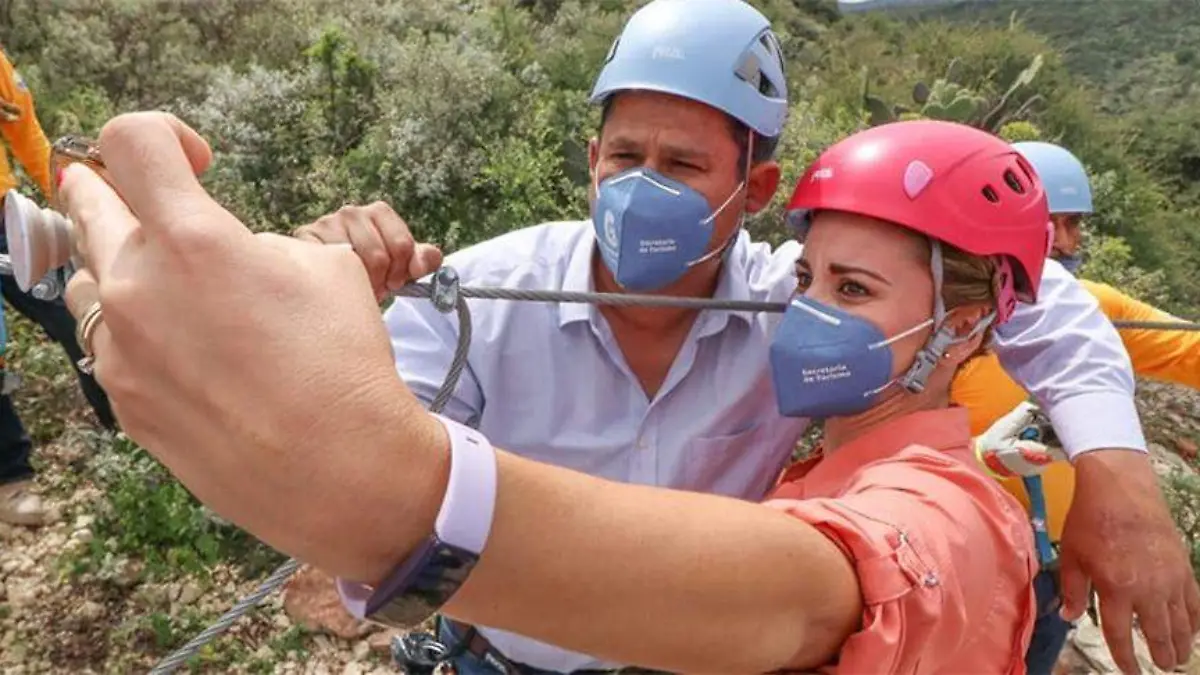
{"x": 764, "y": 146}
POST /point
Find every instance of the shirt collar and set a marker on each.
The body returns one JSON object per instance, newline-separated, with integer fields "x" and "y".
{"x": 942, "y": 429}
{"x": 733, "y": 283}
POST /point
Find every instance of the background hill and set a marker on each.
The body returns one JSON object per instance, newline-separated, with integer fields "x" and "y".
{"x": 1139, "y": 59}
{"x": 470, "y": 118}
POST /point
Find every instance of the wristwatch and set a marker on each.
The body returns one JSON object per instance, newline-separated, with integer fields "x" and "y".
{"x": 425, "y": 581}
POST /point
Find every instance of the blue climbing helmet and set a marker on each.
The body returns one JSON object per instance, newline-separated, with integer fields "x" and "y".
{"x": 718, "y": 52}
{"x": 1062, "y": 174}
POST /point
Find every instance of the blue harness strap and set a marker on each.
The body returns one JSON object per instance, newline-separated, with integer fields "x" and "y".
{"x": 1038, "y": 515}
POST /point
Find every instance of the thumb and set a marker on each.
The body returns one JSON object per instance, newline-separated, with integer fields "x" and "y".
{"x": 1075, "y": 587}
{"x": 425, "y": 260}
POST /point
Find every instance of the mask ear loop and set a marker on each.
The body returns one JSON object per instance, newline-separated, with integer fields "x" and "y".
{"x": 727, "y": 245}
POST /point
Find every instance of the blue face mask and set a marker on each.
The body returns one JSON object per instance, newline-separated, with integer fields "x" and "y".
{"x": 829, "y": 363}
{"x": 651, "y": 229}
{"x": 1071, "y": 263}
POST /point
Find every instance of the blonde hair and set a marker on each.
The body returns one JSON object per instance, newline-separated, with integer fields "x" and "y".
{"x": 968, "y": 280}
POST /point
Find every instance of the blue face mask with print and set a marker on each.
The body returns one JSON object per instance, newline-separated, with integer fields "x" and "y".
{"x": 651, "y": 229}
{"x": 828, "y": 363}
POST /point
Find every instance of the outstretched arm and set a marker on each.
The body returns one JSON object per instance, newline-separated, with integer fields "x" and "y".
{"x": 670, "y": 579}
{"x": 599, "y": 567}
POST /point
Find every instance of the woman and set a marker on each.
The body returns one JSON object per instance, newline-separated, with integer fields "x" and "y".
{"x": 892, "y": 551}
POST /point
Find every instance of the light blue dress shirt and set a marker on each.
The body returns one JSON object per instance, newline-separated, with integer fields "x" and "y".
{"x": 548, "y": 382}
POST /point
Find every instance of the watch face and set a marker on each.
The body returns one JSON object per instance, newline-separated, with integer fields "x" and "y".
{"x": 422, "y": 585}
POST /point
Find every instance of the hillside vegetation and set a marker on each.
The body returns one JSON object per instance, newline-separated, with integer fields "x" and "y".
{"x": 1139, "y": 63}
{"x": 470, "y": 118}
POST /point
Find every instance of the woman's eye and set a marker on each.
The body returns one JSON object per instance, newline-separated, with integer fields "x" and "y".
{"x": 853, "y": 289}
{"x": 803, "y": 279}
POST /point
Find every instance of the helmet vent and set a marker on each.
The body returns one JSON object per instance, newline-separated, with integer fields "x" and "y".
{"x": 771, "y": 43}
{"x": 750, "y": 71}
{"x": 989, "y": 193}
{"x": 750, "y": 68}
{"x": 1013, "y": 182}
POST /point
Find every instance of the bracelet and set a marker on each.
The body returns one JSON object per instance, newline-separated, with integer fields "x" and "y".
{"x": 426, "y": 580}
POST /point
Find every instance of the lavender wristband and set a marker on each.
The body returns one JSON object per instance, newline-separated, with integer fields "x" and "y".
{"x": 429, "y": 577}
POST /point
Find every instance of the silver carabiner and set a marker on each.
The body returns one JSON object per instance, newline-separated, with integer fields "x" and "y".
{"x": 418, "y": 653}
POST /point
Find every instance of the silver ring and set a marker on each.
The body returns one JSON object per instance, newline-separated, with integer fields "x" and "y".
{"x": 89, "y": 321}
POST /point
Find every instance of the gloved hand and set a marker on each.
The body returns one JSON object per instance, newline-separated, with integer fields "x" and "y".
{"x": 1022, "y": 443}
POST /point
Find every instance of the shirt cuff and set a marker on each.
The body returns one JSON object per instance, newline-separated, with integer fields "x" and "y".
{"x": 1097, "y": 421}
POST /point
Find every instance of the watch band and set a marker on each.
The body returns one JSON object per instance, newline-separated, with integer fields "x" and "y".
{"x": 465, "y": 519}
{"x": 422, "y": 583}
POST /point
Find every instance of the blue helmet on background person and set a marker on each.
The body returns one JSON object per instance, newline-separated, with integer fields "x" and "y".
{"x": 718, "y": 52}
{"x": 1066, "y": 181}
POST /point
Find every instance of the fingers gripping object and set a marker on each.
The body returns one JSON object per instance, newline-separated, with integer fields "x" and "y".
{"x": 40, "y": 239}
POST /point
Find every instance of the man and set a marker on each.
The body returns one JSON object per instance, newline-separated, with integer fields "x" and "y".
{"x": 19, "y": 504}
{"x": 988, "y": 392}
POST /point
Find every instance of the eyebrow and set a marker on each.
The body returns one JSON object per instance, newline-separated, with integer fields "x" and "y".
{"x": 848, "y": 269}
{"x": 672, "y": 149}
{"x": 838, "y": 268}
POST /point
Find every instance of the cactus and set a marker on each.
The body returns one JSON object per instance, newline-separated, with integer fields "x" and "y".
{"x": 920, "y": 93}
{"x": 1024, "y": 78}
{"x": 1020, "y": 112}
{"x": 948, "y": 100}
{"x": 963, "y": 108}
{"x": 952, "y": 69}
{"x": 881, "y": 112}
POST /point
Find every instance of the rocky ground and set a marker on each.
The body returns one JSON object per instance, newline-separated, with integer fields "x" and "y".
{"x": 98, "y": 592}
